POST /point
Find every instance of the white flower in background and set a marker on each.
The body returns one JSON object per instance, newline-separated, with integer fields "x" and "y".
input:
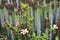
{"x": 24, "y": 31}
{"x": 55, "y": 26}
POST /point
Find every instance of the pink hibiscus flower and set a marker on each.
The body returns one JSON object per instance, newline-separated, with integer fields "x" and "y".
{"x": 55, "y": 26}
{"x": 24, "y": 31}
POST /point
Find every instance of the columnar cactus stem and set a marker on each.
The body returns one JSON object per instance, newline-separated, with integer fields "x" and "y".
{"x": 5, "y": 15}
{"x": 34, "y": 12}
{"x": 0, "y": 1}
{"x": 47, "y": 26}
{"x": 57, "y": 15}
{"x": 8, "y": 1}
{"x": 31, "y": 15}
{"x": 13, "y": 18}
{"x": 38, "y": 22}
{"x": 0, "y": 19}
{"x": 58, "y": 28}
{"x": 54, "y": 12}
{"x": 17, "y": 3}
{"x": 51, "y": 18}
{"x": 42, "y": 19}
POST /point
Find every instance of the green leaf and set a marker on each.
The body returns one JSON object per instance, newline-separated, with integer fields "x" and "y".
{"x": 33, "y": 35}
{"x": 24, "y": 5}
{"x": 31, "y": 19}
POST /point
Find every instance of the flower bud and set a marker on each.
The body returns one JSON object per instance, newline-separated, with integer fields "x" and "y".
{"x": 6, "y": 6}
{"x": 10, "y": 12}
{"x": 11, "y": 7}
{"x": 19, "y": 11}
